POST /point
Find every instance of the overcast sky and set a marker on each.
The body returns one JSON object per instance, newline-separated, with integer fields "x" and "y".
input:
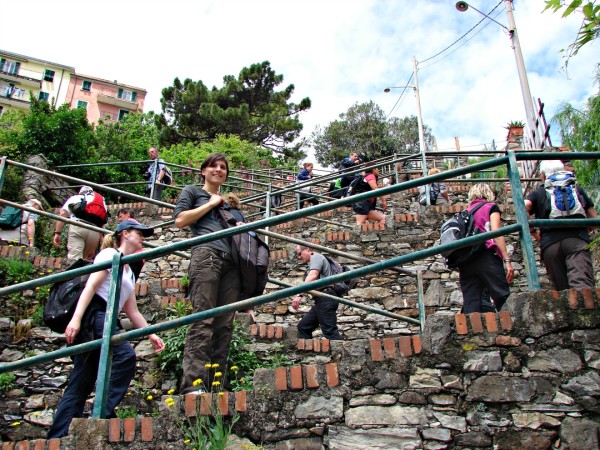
{"x": 337, "y": 52}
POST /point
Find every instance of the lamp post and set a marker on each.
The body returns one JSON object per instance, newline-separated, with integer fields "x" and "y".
{"x": 415, "y": 88}
{"x": 516, "y": 46}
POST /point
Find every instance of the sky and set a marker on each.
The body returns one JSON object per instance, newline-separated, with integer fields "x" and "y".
{"x": 336, "y": 52}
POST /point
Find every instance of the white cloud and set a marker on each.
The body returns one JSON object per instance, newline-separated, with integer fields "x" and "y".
{"x": 335, "y": 52}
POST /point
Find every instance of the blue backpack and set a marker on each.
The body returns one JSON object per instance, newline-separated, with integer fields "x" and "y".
{"x": 562, "y": 194}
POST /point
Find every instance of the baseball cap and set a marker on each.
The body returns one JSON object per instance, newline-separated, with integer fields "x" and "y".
{"x": 135, "y": 225}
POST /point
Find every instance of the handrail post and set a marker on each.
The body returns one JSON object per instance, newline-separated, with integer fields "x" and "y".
{"x": 268, "y": 208}
{"x": 3, "y": 167}
{"x": 110, "y": 320}
{"x": 533, "y": 279}
{"x": 154, "y": 178}
{"x": 421, "y": 299}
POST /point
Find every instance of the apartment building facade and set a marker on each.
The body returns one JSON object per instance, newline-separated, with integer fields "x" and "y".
{"x": 104, "y": 99}
{"x": 22, "y": 76}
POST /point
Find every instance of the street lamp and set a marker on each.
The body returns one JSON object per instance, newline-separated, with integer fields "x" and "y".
{"x": 516, "y": 46}
{"x": 419, "y": 121}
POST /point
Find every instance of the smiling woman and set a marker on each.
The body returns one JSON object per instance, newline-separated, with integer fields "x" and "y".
{"x": 214, "y": 278}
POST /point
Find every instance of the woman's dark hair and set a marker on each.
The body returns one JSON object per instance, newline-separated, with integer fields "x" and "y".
{"x": 211, "y": 159}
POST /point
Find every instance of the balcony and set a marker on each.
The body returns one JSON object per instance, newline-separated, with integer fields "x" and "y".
{"x": 20, "y": 80}
{"x": 119, "y": 102}
{"x": 14, "y": 102}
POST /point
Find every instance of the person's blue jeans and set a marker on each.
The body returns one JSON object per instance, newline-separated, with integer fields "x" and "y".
{"x": 323, "y": 314}
{"x": 83, "y": 378}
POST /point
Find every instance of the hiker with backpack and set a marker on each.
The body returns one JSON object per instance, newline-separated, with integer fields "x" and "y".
{"x": 564, "y": 251}
{"x": 365, "y": 209}
{"x": 438, "y": 194}
{"x": 158, "y": 175}
{"x": 86, "y": 207}
{"x": 17, "y": 227}
{"x": 213, "y": 274}
{"x": 305, "y": 174}
{"x": 87, "y": 324}
{"x": 346, "y": 165}
{"x": 488, "y": 271}
{"x": 323, "y": 313}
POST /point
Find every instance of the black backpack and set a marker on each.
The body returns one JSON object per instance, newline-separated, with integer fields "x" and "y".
{"x": 357, "y": 186}
{"x": 63, "y": 298}
{"x": 459, "y": 227}
{"x": 342, "y": 287}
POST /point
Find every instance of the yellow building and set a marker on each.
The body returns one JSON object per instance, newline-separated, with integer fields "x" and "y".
{"x": 22, "y": 76}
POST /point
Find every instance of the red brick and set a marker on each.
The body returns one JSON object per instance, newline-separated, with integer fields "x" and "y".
{"x": 507, "y": 341}
{"x": 317, "y": 344}
{"x": 301, "y": 344}
{"x": 588, "y": 298}
{"x": 334, "y": 236}
{"x": 573, "y": 300}
{"x": 143, "y": 289}
{"x": 58, "y": 263}
{"x": 490, "y": 322}
{"x": 128, "y": 429}
{"x": 308, "y": 344}
{"x": 347, "y": 236}
{"x": 555, "y": 294}
{"x": 598, "y": 294}
{"x": 405, "y": 348}
{"x": 22, "y": 445}
{"x": 329, "y": 235}
{"x": 54, "y": 444}
{"x": 240, "y": 402}
{"x": 281, "y": 378}
{"x": 333, "y": 376}
{"x": 389, "y": 348}
{"x": 146, "y": 426}
{"x": 137, "y": 289}
{"x": 270, "y": 332}
{"x": 505, "y": 320}
{"x": 190, "y": 404}
{"x": 8, "y": 446}
{"x": 163, "y": 284}
{"x": 325, "y": 345}
{"x": 416, "y": 340}
{"x": 311, "y": 377}
{"x": 476, "y": 325}
{"x": 164, "y": 301}
{"x": 296, "y": 378}
{"x": 364, "y": 228}
{"x": 36, "y": 260}
{"x": 253, "y": 329}
{"x": 4, "y": 252}
{"x": 50, "y": 262}
{"x": 376, "y": 353}
{"x": 262, "y": 330}
{"x": 223, "y": 403}
{"x": 461, "y": 324}
{"x": 39, "y": 444}
{"x": 206, "y": 404}
{"x": 278, "y": 332}
{"x": 114, "y": 430}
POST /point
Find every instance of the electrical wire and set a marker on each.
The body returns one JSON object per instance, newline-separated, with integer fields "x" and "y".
{"x": 401, "y": 95}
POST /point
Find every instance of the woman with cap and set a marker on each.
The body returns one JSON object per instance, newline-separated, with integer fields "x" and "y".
{"x": 127, "y": 239}
{"x": 214, "y": 277}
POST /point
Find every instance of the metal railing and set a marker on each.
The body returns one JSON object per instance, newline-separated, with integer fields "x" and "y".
{"x": 521, "y": 227}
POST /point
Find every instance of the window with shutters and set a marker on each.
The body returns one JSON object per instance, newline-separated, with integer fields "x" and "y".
{"x": 122, "y": 114}
{"x": 49, "y": 75}
{"x": 86, "y": 85}
{"x": 43, "y": 96}
{"x": 127, "y": 95}
{"x": 82, "y": 104}
{"x": 8, "y": 66}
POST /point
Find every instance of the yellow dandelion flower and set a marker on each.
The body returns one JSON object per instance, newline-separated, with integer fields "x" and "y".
{"x": 49, "y": 271}
{"x": 218, "y": 374}
{"x": 15, "y": 424}
{"x": 216, "y": 383}
{"x": 221, "y": 394}
{"x": 171, "y": 391}
{"x": 149, "y": 397}
{"x": 186, "y": 441}
{"x": 207, "y": 365}
{"x": 234, "y": 368}
{"x": 197, "y": 382}
{"x": 242, "y": 380}
{"x": 27, "y": 253}
{"x": 214, "y": 366}
{"x": 10, "y": 246}
{"x": 37, "y": 288}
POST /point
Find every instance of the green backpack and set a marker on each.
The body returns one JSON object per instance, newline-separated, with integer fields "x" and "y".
{"x": 11, "y": 218}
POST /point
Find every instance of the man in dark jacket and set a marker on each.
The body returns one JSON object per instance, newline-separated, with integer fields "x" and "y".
{"x": 565, "y": 254}
{"x": 347, "y": 164}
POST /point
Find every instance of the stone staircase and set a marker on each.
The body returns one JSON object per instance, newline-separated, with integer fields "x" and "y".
{"x": 476, "y": 381}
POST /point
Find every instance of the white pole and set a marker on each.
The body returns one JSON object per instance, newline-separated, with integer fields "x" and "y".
{"x": 421, "y": 132}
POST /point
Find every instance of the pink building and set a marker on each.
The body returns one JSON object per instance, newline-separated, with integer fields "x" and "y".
{"x": 103, "y": 99}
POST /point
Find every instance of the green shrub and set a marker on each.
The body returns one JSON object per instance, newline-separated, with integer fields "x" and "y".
{"x": 7, "y": 382}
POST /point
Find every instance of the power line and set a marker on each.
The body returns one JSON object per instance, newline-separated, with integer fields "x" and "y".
{"x": 401, "y": 95}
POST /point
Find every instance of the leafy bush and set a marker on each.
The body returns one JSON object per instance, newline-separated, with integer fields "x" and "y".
{"x": 170, "y": 359}
{"x": 7, "y": 381}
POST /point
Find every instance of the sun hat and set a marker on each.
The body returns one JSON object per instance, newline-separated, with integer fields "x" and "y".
{"x": 35, "y": 201}
{"x": 135, "y": 225}
{"x": 85, "y": 189}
